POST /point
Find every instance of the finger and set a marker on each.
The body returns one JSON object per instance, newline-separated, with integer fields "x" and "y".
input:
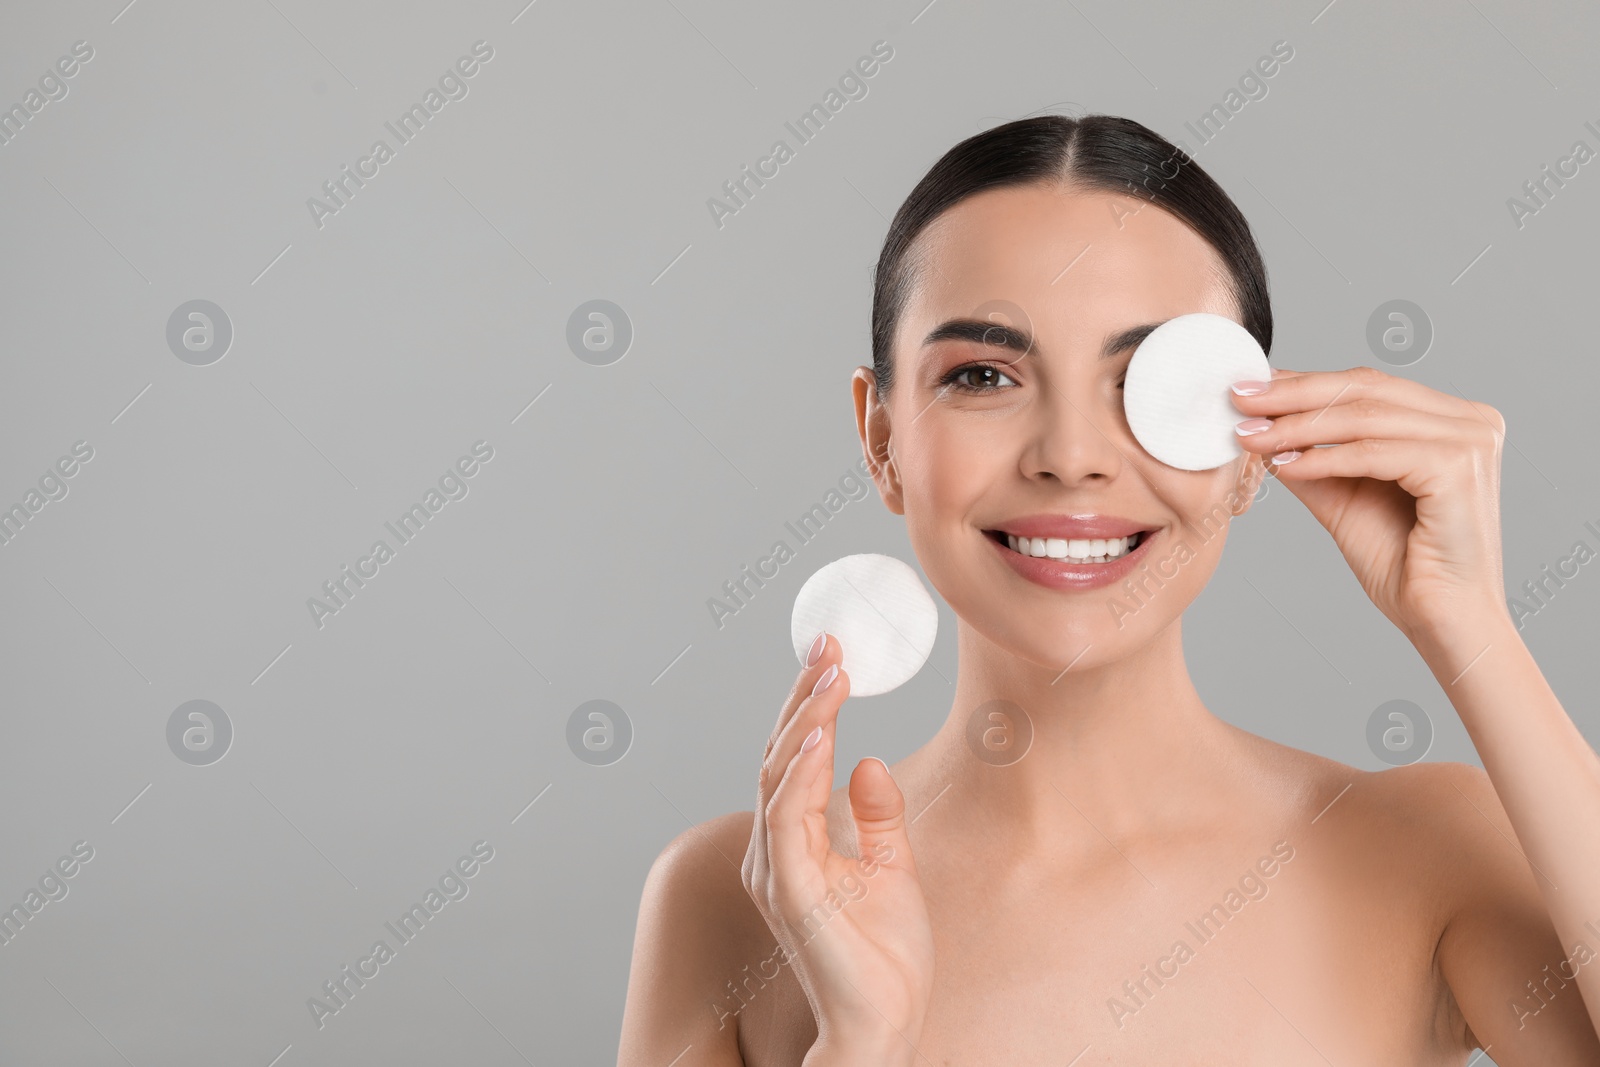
{"x": 1352, "y": 421}
{"x": 820, "y": 706}
{"x": 1315, "y": 390}
{"x": 804, "y": 682}
{"x": 831, "y": 653}
{"x": 817, "y": 707}
{"x": 797, "y": 819}
{"x": 1416, "y": 466}
{"x": 879, "y": 810}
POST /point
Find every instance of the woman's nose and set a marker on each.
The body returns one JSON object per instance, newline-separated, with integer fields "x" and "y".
{"x": 1074, "y": 436}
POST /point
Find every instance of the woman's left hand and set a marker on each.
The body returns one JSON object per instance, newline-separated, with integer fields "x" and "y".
{"x": 1410, "y": 489}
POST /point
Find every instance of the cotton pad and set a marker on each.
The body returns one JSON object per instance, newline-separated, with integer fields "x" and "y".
{"x": 1176, "y": 393}
{"x": 880, "y": 612}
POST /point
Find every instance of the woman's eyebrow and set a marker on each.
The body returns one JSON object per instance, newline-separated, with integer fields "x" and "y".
{"x": 1021, "y": 341}
{"x": 1118, "y": 343}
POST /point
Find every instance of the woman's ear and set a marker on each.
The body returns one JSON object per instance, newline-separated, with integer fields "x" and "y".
{"x": 872, "y": 424}
{"x": 1251, "y": 473}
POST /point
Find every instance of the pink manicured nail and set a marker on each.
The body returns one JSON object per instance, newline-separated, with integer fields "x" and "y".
{"x": 1250, "y": 387}
{"x": 828, "y": 676}
{"x": 811, "y": 739}
{"x": 1250, "y": 426}
{"x": 816, "y": 649}
{"x": 1285, "y": 457}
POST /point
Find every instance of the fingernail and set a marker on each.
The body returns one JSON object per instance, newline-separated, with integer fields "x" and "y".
{"x": 811, "y": 739}
{"x": 1285, "y": 457}
{"x": 826, "y": 680}
{"x": 816, "y": 649}
{"x": 1250, "y": 426}
{"x": 1250, "y": 387}
{"x": 885, "y": 765}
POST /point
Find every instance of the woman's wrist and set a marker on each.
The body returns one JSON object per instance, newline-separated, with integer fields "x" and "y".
{"x": 1464, "y": 632}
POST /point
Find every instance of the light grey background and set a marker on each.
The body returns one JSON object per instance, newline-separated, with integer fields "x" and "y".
{"x": 426, "y": 315}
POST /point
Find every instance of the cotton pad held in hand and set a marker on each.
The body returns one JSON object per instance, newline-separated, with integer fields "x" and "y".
{"x": 880, "y": 612}
{"x": 1176, "y": 393}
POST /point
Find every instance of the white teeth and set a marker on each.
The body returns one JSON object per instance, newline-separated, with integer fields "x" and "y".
{"x": 1074, "y": 550}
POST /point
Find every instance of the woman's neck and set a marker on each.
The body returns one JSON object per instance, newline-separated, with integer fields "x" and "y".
{"x": 1118, "y": 750}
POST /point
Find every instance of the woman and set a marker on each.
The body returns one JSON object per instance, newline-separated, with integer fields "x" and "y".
{"x": 1145, "y": 883}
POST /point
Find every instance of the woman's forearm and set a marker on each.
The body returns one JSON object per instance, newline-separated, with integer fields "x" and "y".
{"x": 1545, "y": 773}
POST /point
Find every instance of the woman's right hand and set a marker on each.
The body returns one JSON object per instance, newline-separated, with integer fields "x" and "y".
{"x": 855, "y": 931}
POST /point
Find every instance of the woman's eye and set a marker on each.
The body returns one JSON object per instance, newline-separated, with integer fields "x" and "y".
{"x": 976, "y": 378}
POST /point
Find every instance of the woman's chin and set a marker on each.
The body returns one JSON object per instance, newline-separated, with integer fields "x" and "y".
{"x": 1064, "y": 640}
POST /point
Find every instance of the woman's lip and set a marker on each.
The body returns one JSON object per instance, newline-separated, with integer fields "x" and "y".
{"x": 1056, "y": 574}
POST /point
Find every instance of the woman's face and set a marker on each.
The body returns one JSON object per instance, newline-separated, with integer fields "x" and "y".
{"x": 1033, "y": 439}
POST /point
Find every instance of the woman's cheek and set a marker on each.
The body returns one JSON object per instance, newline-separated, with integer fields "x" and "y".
{"x": 956, "y": 460}
{"x": 1211, "y": 501}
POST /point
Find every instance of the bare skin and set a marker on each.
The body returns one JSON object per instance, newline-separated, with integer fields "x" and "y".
{"x": 1325, "y": 914}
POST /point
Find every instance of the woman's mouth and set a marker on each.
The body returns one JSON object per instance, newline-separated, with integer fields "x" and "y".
{"x": 1074, "y": 564}
{"x": 1069, "y": 550}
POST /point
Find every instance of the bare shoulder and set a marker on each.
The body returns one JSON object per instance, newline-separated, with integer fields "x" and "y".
{"x": 710, "y": 851}
{"x": 695, "y": 928}
{"x": 1498, "y": 955}
{"x": 1446, "y": 810}
{"x": 1428, "y": 832}
{"x": 698, "y": 876}
{"x": 1436, "y": 827}
{"x": 1451, "y": 818}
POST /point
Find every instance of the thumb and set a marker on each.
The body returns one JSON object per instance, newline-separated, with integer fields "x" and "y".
{"x": 879, "y": 810}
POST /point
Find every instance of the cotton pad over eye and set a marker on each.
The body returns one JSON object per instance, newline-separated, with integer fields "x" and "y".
{"x": 1176, "y": 392}
{"x": 880, "y": 612}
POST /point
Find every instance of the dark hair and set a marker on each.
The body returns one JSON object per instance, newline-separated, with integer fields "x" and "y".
{"x": 1096, "y": 152}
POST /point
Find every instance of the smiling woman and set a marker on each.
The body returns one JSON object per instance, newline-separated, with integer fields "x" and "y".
{"x": 1015, "y": 283}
